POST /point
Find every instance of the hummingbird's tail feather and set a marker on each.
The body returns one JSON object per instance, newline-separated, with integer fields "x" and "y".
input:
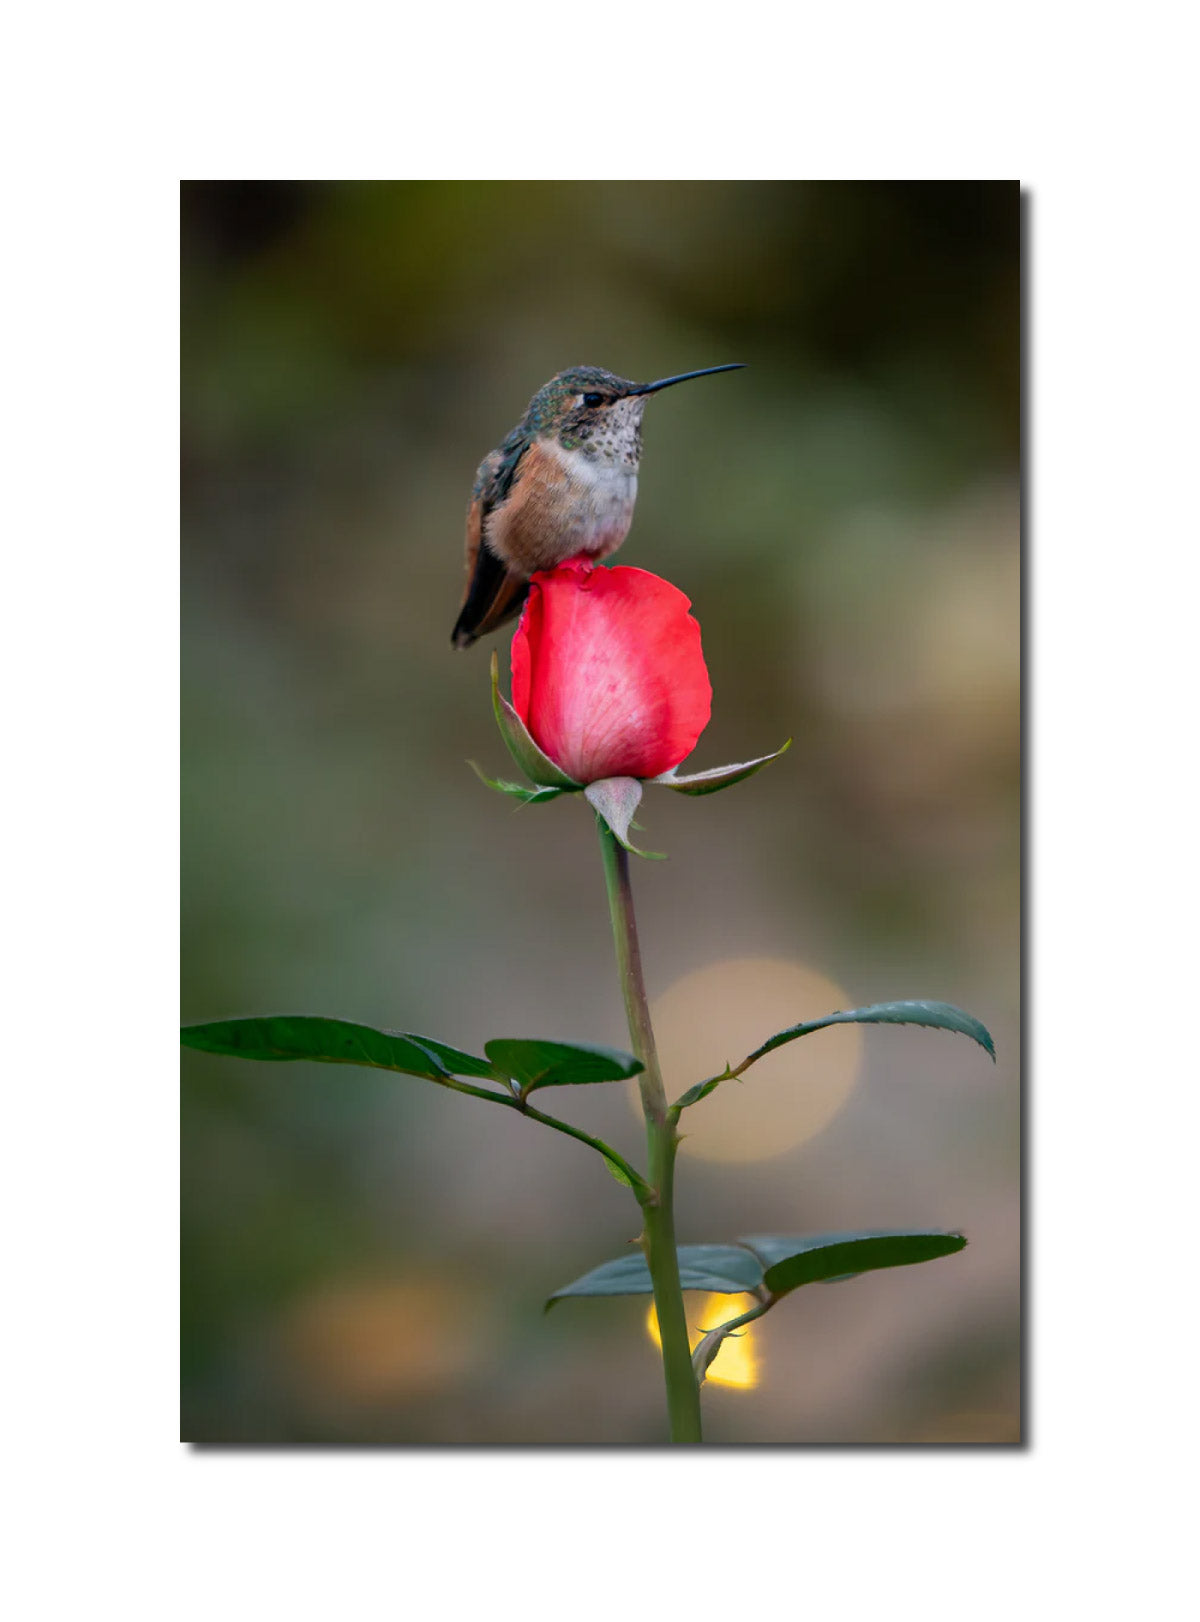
{"x": 493, "y": 597}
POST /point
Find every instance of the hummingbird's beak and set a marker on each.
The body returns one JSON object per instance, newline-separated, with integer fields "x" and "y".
{"x": 684, "y": 377}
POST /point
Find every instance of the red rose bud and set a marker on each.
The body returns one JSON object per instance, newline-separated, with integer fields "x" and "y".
{"x": 607, "y": 672}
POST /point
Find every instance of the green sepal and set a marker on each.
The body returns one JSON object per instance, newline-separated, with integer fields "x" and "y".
{"x": 282, "y": 1037}
{"x": 533, "y": 1063}
{"x": 616, "y": 799}
{"x": 717, "y": 777}
{"x": 536, "y": 765}
{"x": 517, "y": 791}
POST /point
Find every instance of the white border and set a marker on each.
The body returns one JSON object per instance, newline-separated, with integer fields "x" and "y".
{"x": 110, "y": 107}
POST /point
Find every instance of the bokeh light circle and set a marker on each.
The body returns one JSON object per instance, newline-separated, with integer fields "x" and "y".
{"x": 719, "y": 1014}
{"x": 736, "y": 1363}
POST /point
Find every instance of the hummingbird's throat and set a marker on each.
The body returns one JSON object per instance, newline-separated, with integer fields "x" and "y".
{"x": 611, "y": 433}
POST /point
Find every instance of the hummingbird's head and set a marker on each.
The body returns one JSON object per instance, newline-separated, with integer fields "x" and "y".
{"x": 596, "y": 412}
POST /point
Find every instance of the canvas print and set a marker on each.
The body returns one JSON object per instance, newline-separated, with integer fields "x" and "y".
{"x": 602, "y": 813}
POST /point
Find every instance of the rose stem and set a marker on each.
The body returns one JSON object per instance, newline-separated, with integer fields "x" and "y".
{"x": 662, "y": 1142}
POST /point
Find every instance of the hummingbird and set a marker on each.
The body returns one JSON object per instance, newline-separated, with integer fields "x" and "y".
{"x": 560, "y": 485}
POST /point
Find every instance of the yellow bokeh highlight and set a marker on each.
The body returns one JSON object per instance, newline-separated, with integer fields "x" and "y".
{"x": 718, "y": 1015}
{"x": 736, "y": 1363}
{"x": 378, "y": 1340}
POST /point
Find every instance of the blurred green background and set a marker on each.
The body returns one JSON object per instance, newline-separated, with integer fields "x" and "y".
{"x": 365, "y": 1257}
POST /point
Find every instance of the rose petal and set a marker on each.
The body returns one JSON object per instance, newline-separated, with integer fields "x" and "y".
{"x": 608, "y": 672}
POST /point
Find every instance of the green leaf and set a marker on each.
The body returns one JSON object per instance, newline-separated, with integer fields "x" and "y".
{"x": 790, "y": 1260}
{"x": 941, "y": 1016}
{"x": 538, "y": 767}
{"x": 618, "y": 1176}
{"x": 616, "y": 799}
{"x": 717, "y": 777}
{"x": 721, "y": 1269}
{"x": 455, "y": 1060}
{"x": 533, "y": 1063}
{"x": 703, "y": 1088}
{"x": 777, "y": 1262}
{"x": 517, "y": 791}
{"x": 327, "y": 1041}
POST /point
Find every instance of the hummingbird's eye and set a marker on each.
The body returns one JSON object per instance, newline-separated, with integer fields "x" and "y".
{"x": 593, "y": 399}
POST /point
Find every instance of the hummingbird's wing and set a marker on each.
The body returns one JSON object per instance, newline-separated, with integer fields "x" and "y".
{"x": 493, "y": 594}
